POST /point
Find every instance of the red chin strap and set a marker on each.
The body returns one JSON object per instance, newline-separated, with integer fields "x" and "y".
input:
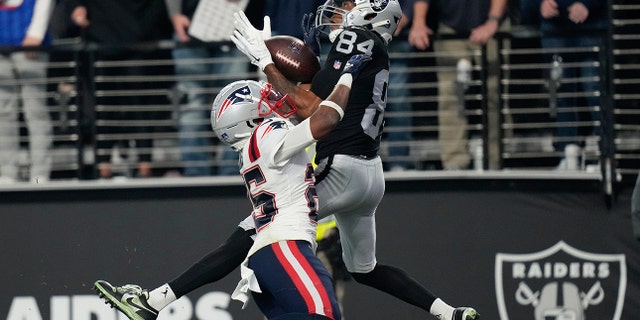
{"x": 275, "y": 100}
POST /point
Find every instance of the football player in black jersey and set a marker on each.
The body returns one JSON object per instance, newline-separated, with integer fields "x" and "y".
{"x": 349, "y": 177}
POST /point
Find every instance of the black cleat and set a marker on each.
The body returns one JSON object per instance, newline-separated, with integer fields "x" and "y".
{"x": 130, "y": 299}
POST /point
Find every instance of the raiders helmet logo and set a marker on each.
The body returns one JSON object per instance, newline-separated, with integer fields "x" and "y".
{"x": 378, "y": 5}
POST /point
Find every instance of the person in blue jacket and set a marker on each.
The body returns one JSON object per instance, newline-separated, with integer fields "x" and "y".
{"x": 23, "y": 74}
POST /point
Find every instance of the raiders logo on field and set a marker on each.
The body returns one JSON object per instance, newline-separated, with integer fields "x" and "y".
{"x": 560, "y": 282}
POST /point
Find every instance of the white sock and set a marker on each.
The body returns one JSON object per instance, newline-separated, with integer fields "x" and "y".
{"x": 441, "y": 310}
{"x": 161, "y": 296}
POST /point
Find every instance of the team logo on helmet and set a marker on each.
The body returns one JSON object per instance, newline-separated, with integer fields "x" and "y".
{"x": 560, "y": 282}
{"x": 233, "y": 98}
{"x": 378, "y": 5}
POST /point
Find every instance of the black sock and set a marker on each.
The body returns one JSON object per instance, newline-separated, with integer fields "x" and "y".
{"x": 397, "y": 283}
{"x": 215, "y": 265}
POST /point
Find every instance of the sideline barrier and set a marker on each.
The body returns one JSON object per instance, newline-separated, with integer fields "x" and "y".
{"x": 513, "y": 245}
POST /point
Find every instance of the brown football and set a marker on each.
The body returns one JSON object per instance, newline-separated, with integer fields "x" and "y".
{"x": 293, "y": 58}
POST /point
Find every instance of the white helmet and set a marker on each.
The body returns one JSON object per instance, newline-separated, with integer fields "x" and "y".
{"x": 240, "y": 103}
{"x": 381, "y": 16}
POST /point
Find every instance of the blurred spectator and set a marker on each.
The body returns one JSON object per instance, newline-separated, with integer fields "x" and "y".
{"x": 572, "y": 24}
{"x": 423, "y": 90}
{"x": 286, "y": 15}
{"x": 63, "y": 93}
{"x": 477, "y": 21}
{"x": 398, "y": 121}
{"x": 61, "y": 26}
{"x": 527, "y": 13}
{"x": 23, "y": 85}
{"x": 115, "y": 24}
{"x": 194, "y": 74}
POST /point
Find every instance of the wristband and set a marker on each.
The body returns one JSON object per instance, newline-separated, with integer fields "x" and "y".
{"x": 335, "y": 106}
{"x": 345, "y": 80}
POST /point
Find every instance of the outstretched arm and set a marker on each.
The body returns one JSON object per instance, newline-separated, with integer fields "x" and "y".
{"x": 328, "y": 112}
{"x": 250, "y": 41}
{"x": 306, "y": 101}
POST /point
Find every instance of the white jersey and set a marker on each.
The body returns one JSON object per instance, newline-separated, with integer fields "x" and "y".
{"x": 280, "y": 182}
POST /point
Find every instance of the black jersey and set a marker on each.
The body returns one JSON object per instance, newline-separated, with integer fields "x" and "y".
{"x": 359, "y": 131}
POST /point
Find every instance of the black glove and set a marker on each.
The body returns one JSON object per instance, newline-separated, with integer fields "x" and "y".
{"x": 310, "y": 33}
{"x": 355, "y": 64}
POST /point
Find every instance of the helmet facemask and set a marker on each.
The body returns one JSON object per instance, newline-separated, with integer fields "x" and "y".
{"x": 331, "y": 15}
{"x": 277, "y": 102}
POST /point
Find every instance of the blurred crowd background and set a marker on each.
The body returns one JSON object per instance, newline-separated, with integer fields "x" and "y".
{"x": 118, "y": 88}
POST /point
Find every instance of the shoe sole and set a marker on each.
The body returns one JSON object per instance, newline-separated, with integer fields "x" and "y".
{"x": 473, "y": 315}
{"x": 114, "y": 302}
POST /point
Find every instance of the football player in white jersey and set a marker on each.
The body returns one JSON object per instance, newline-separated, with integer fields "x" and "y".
{"x": 281, "y": 270}
{"x": 347, "y": 157}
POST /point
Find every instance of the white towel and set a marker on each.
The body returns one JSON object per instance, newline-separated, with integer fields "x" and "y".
{"x": 248, "y": 283}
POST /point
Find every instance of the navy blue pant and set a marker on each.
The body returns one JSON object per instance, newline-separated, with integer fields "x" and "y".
{"x": 293, "y": 281}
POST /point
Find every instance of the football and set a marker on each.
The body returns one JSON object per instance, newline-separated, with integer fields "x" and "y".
{"x": 293, "y": 58}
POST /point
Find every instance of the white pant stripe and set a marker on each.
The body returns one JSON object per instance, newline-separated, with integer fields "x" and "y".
{"x": 304, "y": 277}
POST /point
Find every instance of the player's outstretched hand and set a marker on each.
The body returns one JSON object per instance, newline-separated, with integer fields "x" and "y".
{"x": 266, "y": 28}
{"x": 355, "y": 64}
{"x": 250, "y": 40}
{"x": 310, "y": 33}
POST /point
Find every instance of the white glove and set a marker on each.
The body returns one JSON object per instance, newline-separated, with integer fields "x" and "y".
{"x": 266, "y": 28}
{"x": 250, "y": 40}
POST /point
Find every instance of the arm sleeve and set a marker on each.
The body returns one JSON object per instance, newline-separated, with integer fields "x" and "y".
{"x": 40, "y": 20}
{"x": 298, "y": 138}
